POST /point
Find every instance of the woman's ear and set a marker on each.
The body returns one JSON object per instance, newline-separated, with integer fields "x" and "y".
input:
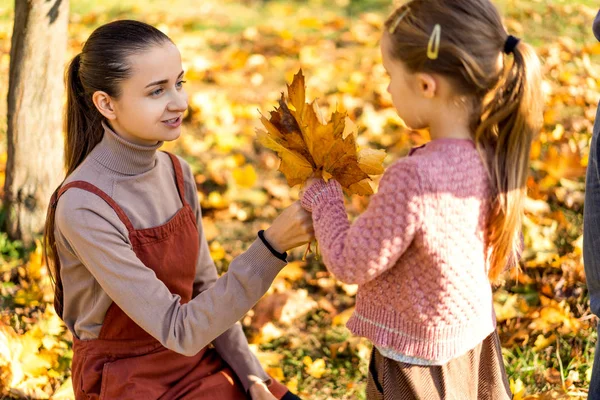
{"x": 104, "y": 104}
{"x": 427, "y": 85}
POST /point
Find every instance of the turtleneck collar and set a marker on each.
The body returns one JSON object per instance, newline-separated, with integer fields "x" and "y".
{"x": 122, "y": 156}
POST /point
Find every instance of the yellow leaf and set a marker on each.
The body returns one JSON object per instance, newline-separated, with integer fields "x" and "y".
{"x": 362, "y": 188}
{"x": 343, "y": 317}
{"x": 276, "y": 373}
{"x": 296, "y": 92}
{"x": 307, "y": 361}
{"x": 64, "y": 392}
{"x": 315, "y": 368}
{"x": 542, "y": 342}
{"x": 508, "y": 308}
{"x": 268, "y": 358}
{"x": 35, "y": 262}
{"x": 33, "y": 361}
{"x": 216, "y": 200}
{"x": 52, "y": 324}
{"x": 319, "y": 137}
{"x": 311, "y": 22}
{"x": 293, "y": 271}
{"x": 554, "y": 315}
{"x": 308, "y": 146}
{"x": 245, "y": 176}
{"x": 558, "y": 132}
{"x": 517, "y": 388}
{"x": 292, "y": 385}
{"x": 217, "y": 252}
{"x": 268, "y": 333}
{"x": 49, "y": 342}
{"x": 293, "y": 165}
{"x": 370, "y": 161}
{"x": 30, "y": 297}
{"x": 318, "y": 113}
{"x": 349, "y": 128}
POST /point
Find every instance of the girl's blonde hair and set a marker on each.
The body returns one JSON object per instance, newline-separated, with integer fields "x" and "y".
{"x": 463, "y": 41}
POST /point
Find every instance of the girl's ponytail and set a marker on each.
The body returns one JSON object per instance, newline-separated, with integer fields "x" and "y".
{"x": 511, "y": 116}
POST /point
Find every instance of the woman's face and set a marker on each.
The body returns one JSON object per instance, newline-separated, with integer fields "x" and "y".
{"x": 152, "y": 101}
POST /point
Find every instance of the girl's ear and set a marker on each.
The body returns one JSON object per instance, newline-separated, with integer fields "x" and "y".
{"x": 426, "y": 85}
{"x": 104, "y": 104}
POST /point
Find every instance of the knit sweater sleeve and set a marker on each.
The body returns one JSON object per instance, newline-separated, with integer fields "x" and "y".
{"x": 232, "y": 345}
{"x": 358, "y": 253}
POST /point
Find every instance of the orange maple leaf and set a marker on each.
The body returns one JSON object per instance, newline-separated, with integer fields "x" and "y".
{"x": 309, "y": 146}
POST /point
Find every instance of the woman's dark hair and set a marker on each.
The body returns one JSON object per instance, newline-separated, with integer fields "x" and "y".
{"x": 102, "y": 65}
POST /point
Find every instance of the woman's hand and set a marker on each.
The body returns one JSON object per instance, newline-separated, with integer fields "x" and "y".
{"x": 292, "y": 228}
{"x": 259, "y": 391}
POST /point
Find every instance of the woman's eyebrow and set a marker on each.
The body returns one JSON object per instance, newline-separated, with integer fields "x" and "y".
{"x": 163, "y": 81}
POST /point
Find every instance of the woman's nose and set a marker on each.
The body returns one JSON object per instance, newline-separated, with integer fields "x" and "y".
{"x": 179, "y": 101}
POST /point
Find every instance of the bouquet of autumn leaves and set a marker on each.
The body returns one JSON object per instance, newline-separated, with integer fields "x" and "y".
{"x": 309, "y": 146}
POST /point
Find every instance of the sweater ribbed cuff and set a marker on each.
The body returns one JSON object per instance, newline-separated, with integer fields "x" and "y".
{"x": 263, "y": 263}
{"x": 281, "y": 256}
{"x": 321, "y": 191}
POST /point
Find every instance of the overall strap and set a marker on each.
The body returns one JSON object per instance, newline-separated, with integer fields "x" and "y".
{"x": 93, "y": 189}
{"x": 178, "y": 177}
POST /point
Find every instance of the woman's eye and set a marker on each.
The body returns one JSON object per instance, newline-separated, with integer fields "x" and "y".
{"x": 156, "y": 92}
{"x": 180, "y": 84}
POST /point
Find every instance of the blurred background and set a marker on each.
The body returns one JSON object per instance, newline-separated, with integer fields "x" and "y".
{"x": 238, "y": 56}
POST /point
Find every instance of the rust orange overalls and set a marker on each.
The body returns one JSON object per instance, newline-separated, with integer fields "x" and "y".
{"x": 126, "y": 362}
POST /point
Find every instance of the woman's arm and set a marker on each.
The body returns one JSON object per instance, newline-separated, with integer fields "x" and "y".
{"x": 232, "y": 345}
{"x": 100, "y": 241}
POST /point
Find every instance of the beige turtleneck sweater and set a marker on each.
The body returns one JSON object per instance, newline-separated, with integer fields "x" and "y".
{"x": 99, "y": 266}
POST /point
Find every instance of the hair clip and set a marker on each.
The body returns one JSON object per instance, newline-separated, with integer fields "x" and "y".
{"x": 433, "y": 49}
{"x": 397, "y": 21}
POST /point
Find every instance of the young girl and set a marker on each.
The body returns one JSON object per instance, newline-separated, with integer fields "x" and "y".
{"x": 447, "y": 219}
{"x": 135, "y": 282}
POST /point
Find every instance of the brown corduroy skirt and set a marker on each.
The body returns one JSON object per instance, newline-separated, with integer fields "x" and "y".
{"x": 476, "y": 375}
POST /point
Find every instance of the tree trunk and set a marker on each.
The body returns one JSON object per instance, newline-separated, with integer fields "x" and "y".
{"x": 35, "y": 100}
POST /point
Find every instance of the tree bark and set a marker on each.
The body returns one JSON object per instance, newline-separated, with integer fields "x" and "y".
{"x": 35, "y": 100}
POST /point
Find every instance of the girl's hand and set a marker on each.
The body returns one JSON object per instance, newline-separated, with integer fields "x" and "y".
{"x": 292, "y": 228}
{"x": 259, "y": 391}
{"x": 311, "y": 181}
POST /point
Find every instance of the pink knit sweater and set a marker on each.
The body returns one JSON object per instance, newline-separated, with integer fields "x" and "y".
{"x": 418, "y": 252}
